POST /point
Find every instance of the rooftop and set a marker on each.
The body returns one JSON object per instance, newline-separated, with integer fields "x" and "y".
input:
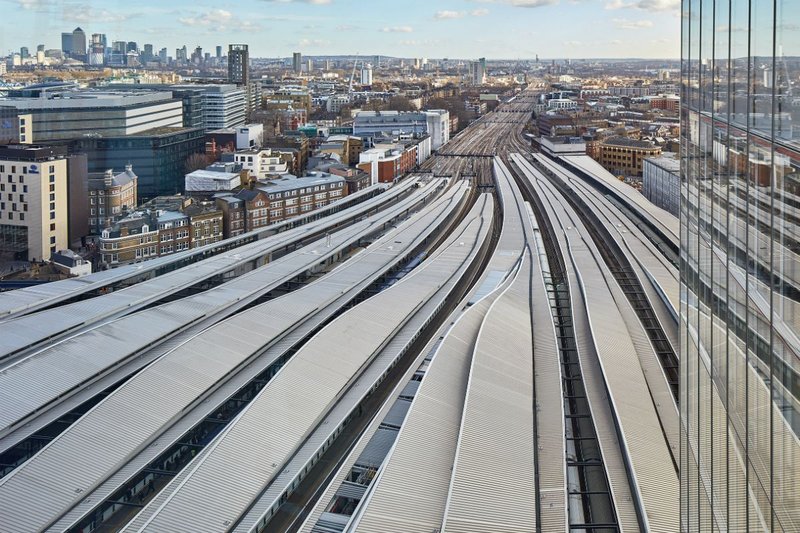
{"x": 291, "y": 183}
{"x": 97, "y": 179}
{"x": 625, "y": 141}
{"x": 668, "y": 163}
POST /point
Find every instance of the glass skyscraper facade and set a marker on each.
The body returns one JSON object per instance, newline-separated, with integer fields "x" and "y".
{"x": 740, "y": 268}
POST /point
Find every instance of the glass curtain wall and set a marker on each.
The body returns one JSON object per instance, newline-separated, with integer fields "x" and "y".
{"x": 740, "y": 268}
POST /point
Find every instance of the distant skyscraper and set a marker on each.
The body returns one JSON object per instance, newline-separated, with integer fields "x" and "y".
{"x": 40, "y": 48}
{"x": 24, "y": 52}
{"x": 78, "y": 44}
{"x": 147, "y": 54}
{"x": 477, "y": 71}
{"x": 366, "y": 75}
{"x": 297, "y": 62}
{"x": 132, "y": 47}
{"x": 97, "y": 49}
{"x": 219, "y": 52}
{"x": 66, "y": 43}
{"x": 162, "y": 55}
{"x": 180, "y": 54}
{"x": 238, "y": 64}
{"x": 740, "y": 268}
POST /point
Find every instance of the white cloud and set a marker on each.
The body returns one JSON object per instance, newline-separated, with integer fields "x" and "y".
{"x": 219, "y": 20}
{"x": 532, "y": 3}
{"x": 35, "y": 5}
{"x": 88, "y": 14}
{"x": 449, "y": 15}
{"x": 215, "y": 16}
{"x": 626, "y": 24}
{"x": 397, "y": 29}
{"x": 305, "y": 43}
{"x": 647, "y": 5}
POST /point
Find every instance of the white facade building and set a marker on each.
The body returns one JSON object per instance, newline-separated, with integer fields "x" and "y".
{"x": 366, "y": 75}
{"x": 423, "y": 150}
{"x": 34, "y": 216}
{"x": 261, "y": 164}
{"x": 335, "y": 102}
{"x": 561, "y": 103}
{"x": 224, "y": 106}
{"x": 211, "y": 181}
{"x": 438, "y": 127}
{"x": 249, "y": 136}
{"x": 435, "y": 123}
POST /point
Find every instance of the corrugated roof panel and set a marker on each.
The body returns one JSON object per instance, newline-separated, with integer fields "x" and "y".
{"x": 283, "y": 413}
{"x": 501, "y": 381}
{"x": 34, "y": 297}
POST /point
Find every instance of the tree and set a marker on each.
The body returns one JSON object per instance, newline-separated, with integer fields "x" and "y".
{"x": 197, "y": 161}
{"x": 400, "y": 103}
{"x": 455, "y": 106}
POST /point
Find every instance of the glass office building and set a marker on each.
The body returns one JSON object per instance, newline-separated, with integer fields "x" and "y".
{"x": 740, "y": 268}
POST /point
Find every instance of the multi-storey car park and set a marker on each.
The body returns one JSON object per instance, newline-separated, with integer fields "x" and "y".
{"x": 489, "y": 345}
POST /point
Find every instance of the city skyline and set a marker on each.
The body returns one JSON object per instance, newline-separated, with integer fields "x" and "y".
{"x": 505, "y": 29}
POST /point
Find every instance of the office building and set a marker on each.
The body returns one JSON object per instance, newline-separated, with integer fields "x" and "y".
{"x": 740, "y": 269}
{"x": 66, "y": 43}
{"x": 624, "y": 156}
{"x": 218, "y": 52}
{"x": 661, "y": 182}
{"x": 69, "y": 114}
{"x": 34, "y": 203}
{"x": 147, "y": 53}
{"x": 477, "y": 71}
{"x": 158, "y": 156}
{"x": 297, "y": 62}
{"x": 434, "y": 122}
{"x": 224, "y": 106}
{"x": 78, "y": 44}
{"x": 191, "y": 96}
{"x": 15, "y": 127}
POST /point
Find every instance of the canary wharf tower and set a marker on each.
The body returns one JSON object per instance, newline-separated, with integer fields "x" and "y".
{"x": 740, "y": 265}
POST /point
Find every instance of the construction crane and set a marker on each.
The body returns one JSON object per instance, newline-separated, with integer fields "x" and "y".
{"x": 353, "y": 76}
{"x": 786, "y": 73}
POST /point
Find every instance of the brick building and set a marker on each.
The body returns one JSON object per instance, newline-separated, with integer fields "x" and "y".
{"x": 624, "y": 156}
{"x": 207, "y": 226}
{"x": 233, "y": 215}
{"x": 110, "y": 195}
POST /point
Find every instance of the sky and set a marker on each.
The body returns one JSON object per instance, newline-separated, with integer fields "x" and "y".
{"x": 495, "y": 29}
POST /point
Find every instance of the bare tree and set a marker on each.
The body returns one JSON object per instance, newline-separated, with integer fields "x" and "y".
{"x": 197, "y": 161}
